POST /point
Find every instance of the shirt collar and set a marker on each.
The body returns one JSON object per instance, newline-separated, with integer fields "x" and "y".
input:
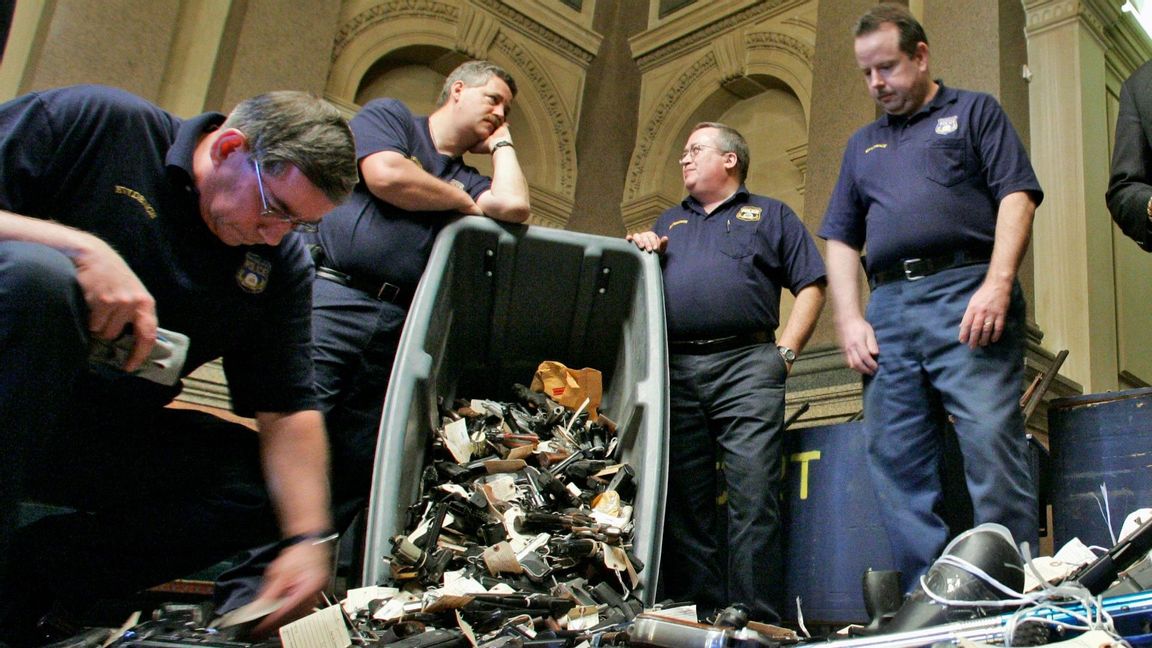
{"x": 944, "y": 96}
{"x": 691, "y": 203}
{"x": 188, "y": 134}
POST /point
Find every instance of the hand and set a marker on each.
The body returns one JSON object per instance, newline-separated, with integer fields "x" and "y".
{"x": 984, "y": 319}
{"x": 649, "y": 242}
{"x": 858, "y": 343}
{"x": 485, "y": 147}
{"x": 297, "y": 576}
{"x": 116, "y": 298}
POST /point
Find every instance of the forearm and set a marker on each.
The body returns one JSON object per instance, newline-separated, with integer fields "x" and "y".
{"x": 294, "y": 452}
{"x": 843, "y": 262}
{"x": 72, "y": 242}
{"x": 802, "y": 319}
{"x": 507, "y": 199}
{"x": 399, "y": 181}
{"x": 1013, "y": 233}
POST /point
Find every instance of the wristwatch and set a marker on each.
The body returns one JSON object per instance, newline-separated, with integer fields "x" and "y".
{"x": 502, "y": 143}
{"x": 788, "y": 354}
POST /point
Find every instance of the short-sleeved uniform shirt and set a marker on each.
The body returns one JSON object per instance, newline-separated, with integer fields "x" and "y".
{"x": 368, "y": 237}
{"x": 928, "y": 184}
{"x": 723, "y": 271}
{"x": 107, "y": 162}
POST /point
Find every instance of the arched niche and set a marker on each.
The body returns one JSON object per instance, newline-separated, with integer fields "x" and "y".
{"x": 773, "y": 74}
{"x": 395, "y": 48}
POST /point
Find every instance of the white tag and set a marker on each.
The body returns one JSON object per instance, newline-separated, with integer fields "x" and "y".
{"x": 323, "y": 629}
{"x": 456, "y": 439}
{"x": 359, "y": 598}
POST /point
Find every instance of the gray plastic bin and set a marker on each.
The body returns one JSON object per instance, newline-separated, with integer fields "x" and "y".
{"x": 494, "y": 302}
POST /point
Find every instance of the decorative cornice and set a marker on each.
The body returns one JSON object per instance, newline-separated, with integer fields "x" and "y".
{"x": 1043, "y": 15}
{"x": 561, "y": 122}
{"x": 475, "y": 32}
{"x": 781, "y": 42}
{"x": 1128, "y": 44}
{"x": 677, "y": 46}
{"x": 655, "y": 123}
{"x": 729, "y": 52}
{"x": 549, "y": 209}
{"x": 391, "y": 10}
{"x": 553, "y": 40}
{"x": 638, "y": 215}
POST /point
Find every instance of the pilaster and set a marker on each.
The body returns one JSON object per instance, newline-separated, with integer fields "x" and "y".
{"x": 1072, "y": 236}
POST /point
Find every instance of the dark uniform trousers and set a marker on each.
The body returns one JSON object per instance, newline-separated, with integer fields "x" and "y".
{"x": 157, "y": 493}
{"x": 727, "y": 405}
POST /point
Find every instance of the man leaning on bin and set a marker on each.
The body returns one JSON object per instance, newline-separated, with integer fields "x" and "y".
{"x": 726, "y": 253}
{"x": 117, "y": 218}
{"x": 371, "y": 253}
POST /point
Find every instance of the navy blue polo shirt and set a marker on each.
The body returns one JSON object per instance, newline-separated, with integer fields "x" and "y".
{"x": 723, "y": 271}
{"x": 928, "y": 184}
{"x": 372, "y": 239}
{"x": 107, "y": 162}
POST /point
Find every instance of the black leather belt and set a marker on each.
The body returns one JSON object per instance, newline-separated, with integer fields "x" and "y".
{"x": 913, "y": 269}
{"x": 715, "y": 345}
{"x": 383, "y": 291}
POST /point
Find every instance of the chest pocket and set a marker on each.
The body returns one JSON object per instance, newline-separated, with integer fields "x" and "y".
{"x": 737, "y": 241}
{"x": 946, "y": 161}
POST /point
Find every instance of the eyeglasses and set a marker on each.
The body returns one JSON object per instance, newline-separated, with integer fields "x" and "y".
{"x": 279, "y": 214}
{"x": 692, "y": 151}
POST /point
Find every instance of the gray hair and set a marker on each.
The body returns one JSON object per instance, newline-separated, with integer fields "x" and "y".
{"x": 475, "y": 73}
{"x": 730, "y": 141}
{"x": 288, "y": 127}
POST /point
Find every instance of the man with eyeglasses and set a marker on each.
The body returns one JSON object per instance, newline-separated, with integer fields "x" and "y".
{"x": 124, "y": 227}
{"x": 726, "y": 254}
{"x": 372, "y": 250}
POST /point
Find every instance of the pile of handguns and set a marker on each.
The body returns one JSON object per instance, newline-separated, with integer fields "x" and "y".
{"x": 523, "y": 525}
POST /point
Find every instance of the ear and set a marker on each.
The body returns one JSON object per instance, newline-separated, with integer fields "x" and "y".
{"x": 227, "y": 142}
{"x": 457, "y": 88}
{"x": 730, "y": 161}
{"x": 922, "y": 55}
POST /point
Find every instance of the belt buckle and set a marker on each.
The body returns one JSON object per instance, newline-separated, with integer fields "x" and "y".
{"x": 388, "y": 292}
{"x": 909, "y": 272}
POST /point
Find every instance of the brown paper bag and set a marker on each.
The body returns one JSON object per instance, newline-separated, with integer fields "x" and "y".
{"x": 569, "y": 387}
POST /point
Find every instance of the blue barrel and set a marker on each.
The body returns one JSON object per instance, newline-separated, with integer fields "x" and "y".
{"x": 834, "y": 532}
{"x": 1099, "y": 439}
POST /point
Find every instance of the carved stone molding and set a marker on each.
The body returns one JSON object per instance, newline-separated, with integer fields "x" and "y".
{"x": 549, "y": 209}
{"x": 799, "y": 156}
{"x": 391, "y": 10}
{"x": 580, "y": 54}
{"x": 653, "y": 53}
{"x": 782, "y": 42}
{"x": 475, "y": 32}
{"x": 655, "y": 123}
{"x": 640, "y": 214}
{"x": 1043, "y": 15}
{"x": 728, "y": 51}
{"x": 563, "y": 129}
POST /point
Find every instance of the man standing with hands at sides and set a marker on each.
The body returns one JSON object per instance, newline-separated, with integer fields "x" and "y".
{"x": 941, "y": 190}
{"x": 373, "y": 250}
{"x": 726, "y": 253}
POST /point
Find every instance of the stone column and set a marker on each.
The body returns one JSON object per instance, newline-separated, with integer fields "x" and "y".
{"x": 1072, "y": 236}
{"x": 840, "y": 106}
